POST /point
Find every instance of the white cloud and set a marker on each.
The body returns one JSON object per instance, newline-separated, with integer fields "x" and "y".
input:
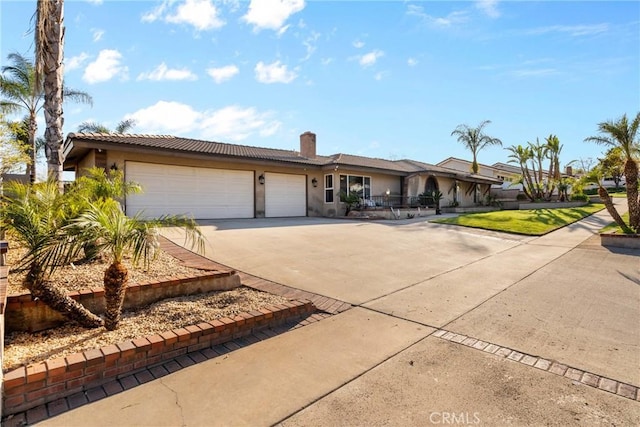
{"x": 310, "y": 44}
{"x": 156, "y": 13}
{"x": 166, "y": 117}
{"x": 489, "y": 7}
{"x": 358, "y": 44}
{"x": 271, "y": 14}
{"x": 231, "y": 123}
{"x": 97, "y": 34}
{"x": 412, "y": 62}
{"x": 535, "y": 72}
{"x": 223, "y": 74}
{"x": 201, "y": 14}
{"x": 370, "y": 58}
{"x": 96, "y": 2}
{"x": 162, "y": 72}
{"x": 326, "y": 61}
{"x": 274, "y": 73}
{"x": 454, "y": 18}
{"x": 270, "y": 129}
{"x": 75, "y": 61}
{"x": 283, "y": 30}
{"x": 572, "y": 30}
{"x": 380, "y": 75}
{"x": 105, "y": 67}
{"x": 234, "y": 123}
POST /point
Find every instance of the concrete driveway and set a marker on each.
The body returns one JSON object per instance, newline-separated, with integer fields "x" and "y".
{"x": 550, "y": 330}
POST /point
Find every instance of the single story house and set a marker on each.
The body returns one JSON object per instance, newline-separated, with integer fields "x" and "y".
{"x": 502, "y": 171}
{"x": 212, "y": 180}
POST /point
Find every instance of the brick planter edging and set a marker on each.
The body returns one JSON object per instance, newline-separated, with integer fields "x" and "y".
{"x": 25, "y": 314}
{"x": 43, "y": 382}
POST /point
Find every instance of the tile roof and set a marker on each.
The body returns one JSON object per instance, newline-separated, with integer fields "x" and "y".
{"x": 187, "y": 145}
{"x": 173, "y": 143}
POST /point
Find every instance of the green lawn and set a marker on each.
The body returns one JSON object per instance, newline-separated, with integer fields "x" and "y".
{"x": 534, "y": 222}
{"x": 613, "y": 227}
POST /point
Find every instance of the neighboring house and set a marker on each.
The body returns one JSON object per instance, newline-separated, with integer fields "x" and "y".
{"x": 504, "y": 172}
{"x": 211, "y": 180}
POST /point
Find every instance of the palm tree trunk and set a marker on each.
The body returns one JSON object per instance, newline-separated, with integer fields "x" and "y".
{"x": 33, "y": 129}
{"x": 474, "y": 164}
{"x": 61, "y": 302}
{"x": 608, "y": 203}
{"x": 50, "y": 53}
{"x": 115, "y": 281}
{"x": 631, "y": 175}
{"x": 533, "y": 182}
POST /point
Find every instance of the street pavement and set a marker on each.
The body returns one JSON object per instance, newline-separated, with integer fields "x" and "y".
{"x": 558, "y": 299}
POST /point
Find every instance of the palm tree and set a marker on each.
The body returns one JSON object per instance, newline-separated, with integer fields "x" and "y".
{"x": 554, "y": 148}
{"x": 49, "y": 47}
{"x": 12, "y": 149}
{"x": 117, "y": 234}
{"x": 35, "y": 214}
{"x": 98, "y": 185}
{"x": 594, "y": 176}
{"x": 521, "y": 155}
{"x": 20, "y": 92}
{"x": 475, "y": 140}
{"x": 123, "y": 127}
{"x": 621, "y": 133}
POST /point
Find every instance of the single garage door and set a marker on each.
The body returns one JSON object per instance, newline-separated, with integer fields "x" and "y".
{"x": 202, "y": 193}
{"x": 285, "y": 195}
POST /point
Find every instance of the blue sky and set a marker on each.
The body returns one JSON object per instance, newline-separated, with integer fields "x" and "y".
{"x": 380, "y": 79}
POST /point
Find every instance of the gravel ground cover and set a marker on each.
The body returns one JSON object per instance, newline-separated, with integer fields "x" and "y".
{"x": 23, "y": 348}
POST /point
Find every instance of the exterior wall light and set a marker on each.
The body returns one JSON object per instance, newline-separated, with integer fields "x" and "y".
{"x": 314, "y": 182}
{"x": 261, "y": 179}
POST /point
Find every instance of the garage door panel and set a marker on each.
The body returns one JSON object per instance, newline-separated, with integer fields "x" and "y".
{"x": 285, "y": 195}
{"x": 198, "y": 192}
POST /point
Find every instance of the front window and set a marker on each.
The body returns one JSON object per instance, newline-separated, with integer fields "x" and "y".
{"x": 328, "y": 188}
{"x": 361, "y": 185}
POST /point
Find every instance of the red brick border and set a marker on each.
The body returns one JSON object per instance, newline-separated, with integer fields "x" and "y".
{"x": 44, "y": 382}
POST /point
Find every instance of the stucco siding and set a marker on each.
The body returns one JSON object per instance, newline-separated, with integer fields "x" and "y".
{"x": 314, "y": 207}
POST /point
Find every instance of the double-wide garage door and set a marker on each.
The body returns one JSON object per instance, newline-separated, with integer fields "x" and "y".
{"x": 205, "y": 193}
{"x": 201, "y": 193}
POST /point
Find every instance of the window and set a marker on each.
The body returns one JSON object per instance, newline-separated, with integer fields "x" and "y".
{"x": 361, "y": 185}
{"x": 328, "y": 188}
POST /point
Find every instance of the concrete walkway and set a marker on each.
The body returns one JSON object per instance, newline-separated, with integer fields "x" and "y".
{"x": 449, "y": 324}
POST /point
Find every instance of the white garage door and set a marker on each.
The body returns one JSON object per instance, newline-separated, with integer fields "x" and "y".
{"x": 198, "y": 192}
{"x": 285, "y": 195}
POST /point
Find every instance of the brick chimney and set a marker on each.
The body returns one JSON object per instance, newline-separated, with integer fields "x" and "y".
{"x": 308, "y": 145}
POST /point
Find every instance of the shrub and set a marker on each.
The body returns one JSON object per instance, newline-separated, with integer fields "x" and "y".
{"x": 579, "y": 198}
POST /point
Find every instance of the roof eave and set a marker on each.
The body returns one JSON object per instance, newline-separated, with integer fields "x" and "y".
{"x": 77, "y": 147}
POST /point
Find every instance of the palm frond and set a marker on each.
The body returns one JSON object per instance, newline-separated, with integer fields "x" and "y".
{"x": 125, "y": 125}
{"x": 77, "y": 95}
